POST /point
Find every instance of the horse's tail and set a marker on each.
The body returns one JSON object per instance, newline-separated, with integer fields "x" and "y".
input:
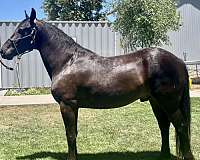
{"x": 186, "y": 111}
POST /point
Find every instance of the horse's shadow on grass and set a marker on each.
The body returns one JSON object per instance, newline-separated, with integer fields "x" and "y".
{"x": 154, "y": 155}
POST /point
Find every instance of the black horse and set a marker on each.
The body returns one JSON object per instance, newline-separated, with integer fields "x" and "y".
{"x": 83, "y": 79}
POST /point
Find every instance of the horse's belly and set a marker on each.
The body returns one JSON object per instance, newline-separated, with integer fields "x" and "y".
{"x": 107, "y": 101}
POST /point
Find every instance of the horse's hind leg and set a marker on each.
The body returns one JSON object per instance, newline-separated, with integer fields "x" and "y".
{"x": 70, "y": 115}
{"x": 171, "y": 104}
{"x": 182, "y": 135}
{"x": 164, "y": 125}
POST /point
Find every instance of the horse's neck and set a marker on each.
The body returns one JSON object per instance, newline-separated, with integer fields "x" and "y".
{"x": 55, "y": 48}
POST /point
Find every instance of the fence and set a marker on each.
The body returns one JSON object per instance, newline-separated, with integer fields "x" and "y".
{"x": 194, "y": 71}
{"x": 96, "y": 36}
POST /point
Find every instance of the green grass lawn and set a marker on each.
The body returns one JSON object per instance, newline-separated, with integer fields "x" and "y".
{"x": 128, "y": 133}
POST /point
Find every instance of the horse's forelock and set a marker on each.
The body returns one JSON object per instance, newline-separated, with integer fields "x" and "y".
{"x": 24, "y": 23}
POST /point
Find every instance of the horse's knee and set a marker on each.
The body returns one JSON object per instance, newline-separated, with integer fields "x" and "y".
{"x": 71, "y": 138}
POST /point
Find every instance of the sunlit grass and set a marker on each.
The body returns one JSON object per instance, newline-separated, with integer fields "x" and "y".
{"x": 131, "y": 132}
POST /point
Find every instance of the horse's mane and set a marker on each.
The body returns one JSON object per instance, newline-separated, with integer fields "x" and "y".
{"x": 60, "y": 36}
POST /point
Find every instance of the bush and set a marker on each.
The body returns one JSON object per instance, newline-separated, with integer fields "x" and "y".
{"x": 29, "y": 91}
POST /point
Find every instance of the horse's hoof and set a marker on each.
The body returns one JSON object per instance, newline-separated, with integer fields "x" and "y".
{"x": 189, "y": 156}
{"x": 71, "y": 158}
{"x": 165, "y": 156}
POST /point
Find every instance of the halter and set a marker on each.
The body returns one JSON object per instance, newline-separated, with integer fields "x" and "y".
{"x": 32, "y": 35}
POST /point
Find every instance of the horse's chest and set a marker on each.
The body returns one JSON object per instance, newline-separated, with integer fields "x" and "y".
{"x": 63, "y": 87}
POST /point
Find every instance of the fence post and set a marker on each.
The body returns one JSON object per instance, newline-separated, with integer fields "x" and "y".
{"x": 197, "y": 70}
{"x": 185, "y": 56}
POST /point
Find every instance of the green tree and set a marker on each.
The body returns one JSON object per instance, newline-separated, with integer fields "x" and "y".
{"x": 74, "y": 10}
{"x": 145, "y": 23}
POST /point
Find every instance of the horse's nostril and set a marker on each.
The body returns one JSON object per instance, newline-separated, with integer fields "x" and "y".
{"x": 1, "y": 51}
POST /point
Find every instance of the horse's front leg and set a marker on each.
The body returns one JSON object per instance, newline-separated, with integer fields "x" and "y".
{"x": 70, "y": 115}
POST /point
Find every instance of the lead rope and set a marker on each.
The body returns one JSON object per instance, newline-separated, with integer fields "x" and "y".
{"x": 17, "y": 72}
{"x": 17, "y": 66}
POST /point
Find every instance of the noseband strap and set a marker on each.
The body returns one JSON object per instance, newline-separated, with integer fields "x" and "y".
{"x": 9, "y": 68}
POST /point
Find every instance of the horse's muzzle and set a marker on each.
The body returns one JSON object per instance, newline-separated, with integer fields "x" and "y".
{"x": 1, "y": 52}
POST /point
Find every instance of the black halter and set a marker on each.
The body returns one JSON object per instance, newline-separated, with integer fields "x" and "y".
{"x": 32, "y": 35}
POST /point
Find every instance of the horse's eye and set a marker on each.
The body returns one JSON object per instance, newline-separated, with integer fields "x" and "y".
{"x": 20, "y": 31}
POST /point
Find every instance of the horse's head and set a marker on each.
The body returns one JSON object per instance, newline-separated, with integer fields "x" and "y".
{"x": 22, "y": 40}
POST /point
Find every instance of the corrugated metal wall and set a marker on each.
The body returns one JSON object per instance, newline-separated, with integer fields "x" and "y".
{"x": 96, "y": 36}
{"x": 99, "y": 37}
{"x": 187, "y": 39}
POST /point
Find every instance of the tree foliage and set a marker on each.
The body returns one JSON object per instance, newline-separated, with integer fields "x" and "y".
{"x": 145, "y": 23}
{"x": 74, "y": 10}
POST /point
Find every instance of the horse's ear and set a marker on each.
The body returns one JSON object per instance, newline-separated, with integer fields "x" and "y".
{"x": 33, "y": 16}
{"x": 26, "y": 15}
